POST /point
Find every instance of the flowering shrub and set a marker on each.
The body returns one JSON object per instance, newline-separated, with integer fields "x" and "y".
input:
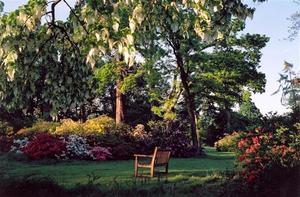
{"x": 229, "y": 142}
{"x": 92, "y": 127}
{"x": 19, "y": 144}
{"x": 77, "y": 147}
{"x": 45, "y": 146}
{"x": 140, "y": 133}
{"x": 98, "y": 125}
{"x": 68, "y": 127}
{"x": 100, "y": 153}
{"x": 38, "y": 127}
{"x": 261, "y": 153}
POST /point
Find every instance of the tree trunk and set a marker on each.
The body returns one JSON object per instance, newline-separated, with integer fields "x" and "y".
{"x": 228, "y": 120}
{"x": 189, "y": 99}
{"x": 119, "y": 103}
{"x": 83, "y": 113}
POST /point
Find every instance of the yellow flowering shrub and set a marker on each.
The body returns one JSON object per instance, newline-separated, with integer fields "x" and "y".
{"x": 98, "y": 125}
{"x": 229, "y": 142}
{"x": 94, "y": 126}
{"x": 69, "y": 126}
{"x": 38, "y": 127}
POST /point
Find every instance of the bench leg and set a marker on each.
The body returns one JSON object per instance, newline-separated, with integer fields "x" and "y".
{"x": 152, "y": 171}
{"x": 167, "y": 168}
{"x": 135, "y": 167}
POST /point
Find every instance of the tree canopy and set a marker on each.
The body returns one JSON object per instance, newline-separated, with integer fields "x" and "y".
{"x": 174, "y": 54}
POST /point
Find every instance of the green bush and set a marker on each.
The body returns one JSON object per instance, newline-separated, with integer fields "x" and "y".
{"x": 6, "y": 132}
{"x": 119, "y": 138}
{"x": 5, "y": 128}
{"x": 229, "y": 142}
{"x": 38, "y": 127}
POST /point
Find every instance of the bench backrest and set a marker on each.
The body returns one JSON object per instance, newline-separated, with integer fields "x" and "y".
{"x": 161, "y": 156}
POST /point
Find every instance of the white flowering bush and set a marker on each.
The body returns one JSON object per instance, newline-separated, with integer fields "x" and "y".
{"x": 18, "y": 145}
{"x": 77, "y": 147}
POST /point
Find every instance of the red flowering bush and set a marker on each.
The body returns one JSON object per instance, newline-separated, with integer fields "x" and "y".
{"x": 100, "y": 153}
{"x": 45, "y": 146}
{"x": 262, "y": 153}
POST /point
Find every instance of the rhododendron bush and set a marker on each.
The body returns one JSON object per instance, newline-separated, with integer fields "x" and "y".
{"x": 45, "y": 146}
{"x": 263, "y": 154}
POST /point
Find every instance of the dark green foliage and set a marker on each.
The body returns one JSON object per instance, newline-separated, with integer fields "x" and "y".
{"x": 173, "y": 135}
{"x": 6, "y": 132}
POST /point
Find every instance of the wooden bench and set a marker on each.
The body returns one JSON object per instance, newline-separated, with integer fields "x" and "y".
{"x": 159, "y": 158}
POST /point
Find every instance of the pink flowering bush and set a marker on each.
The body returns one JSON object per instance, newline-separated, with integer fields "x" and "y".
{"x": 262, "y": 154}
{"x": 100, "y": 153}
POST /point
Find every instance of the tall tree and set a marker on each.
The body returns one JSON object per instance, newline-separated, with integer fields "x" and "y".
{"x": 187, "y": 27}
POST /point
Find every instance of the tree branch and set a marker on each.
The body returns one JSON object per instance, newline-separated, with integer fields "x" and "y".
{"x": 73, "y": 12}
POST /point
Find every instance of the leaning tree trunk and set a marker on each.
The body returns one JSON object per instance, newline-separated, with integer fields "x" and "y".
{"x": 119, "y": 103}
{"x": 189, "y": 99}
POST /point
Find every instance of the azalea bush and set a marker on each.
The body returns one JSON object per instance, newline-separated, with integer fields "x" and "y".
{"x": 264, "y": 155}
{"x": 100, "y": 153}
{"x": 45, "y": 145}
{"x": 229, "y": 142}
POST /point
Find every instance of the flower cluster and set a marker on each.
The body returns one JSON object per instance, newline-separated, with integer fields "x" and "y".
{"x": 100, "y": 153}
{"x": 19, "y": 144}
{"x": 77, "y": 147}
{"x": 45, "y": 146}
{"x": 139, "y": 132}
{"x": 261, "y": 151}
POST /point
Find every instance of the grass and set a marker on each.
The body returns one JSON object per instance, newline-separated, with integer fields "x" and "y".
{"x": 209, "y": 176}
{"x": 71, "y": 173}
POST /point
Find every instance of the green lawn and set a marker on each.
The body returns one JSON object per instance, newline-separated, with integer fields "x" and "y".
{"x": 70, "y": 173}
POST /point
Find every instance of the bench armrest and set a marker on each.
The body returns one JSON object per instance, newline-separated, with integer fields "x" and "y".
{"x": 139, "y": 155}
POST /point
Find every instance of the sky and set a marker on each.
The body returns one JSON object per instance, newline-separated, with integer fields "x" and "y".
{"x": 270, "y": 19}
